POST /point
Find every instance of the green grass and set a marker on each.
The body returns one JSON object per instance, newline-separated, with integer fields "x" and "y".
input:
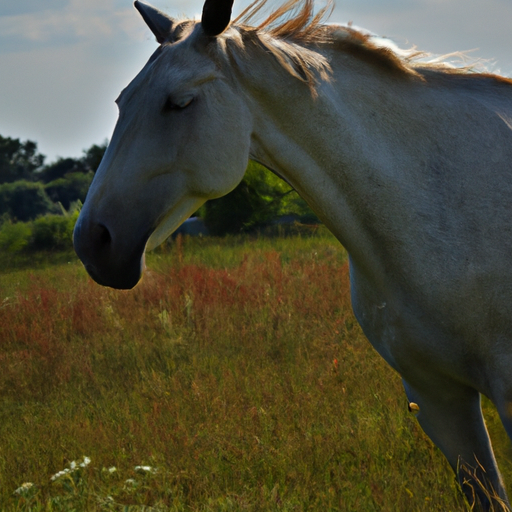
{"x": 235, "y": 371}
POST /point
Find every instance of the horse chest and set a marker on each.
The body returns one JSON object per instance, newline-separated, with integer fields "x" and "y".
{"x": 378, "y": 322}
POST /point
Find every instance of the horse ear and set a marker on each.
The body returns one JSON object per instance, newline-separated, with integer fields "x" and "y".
{"x": 159, "y": 23}
{"x": 216, "y": 16}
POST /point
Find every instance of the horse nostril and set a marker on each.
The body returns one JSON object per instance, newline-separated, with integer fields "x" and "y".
{"x": 101, "y": 236}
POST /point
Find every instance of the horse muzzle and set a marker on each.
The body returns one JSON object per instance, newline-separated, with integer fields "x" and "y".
{"x": 107, "y": 261}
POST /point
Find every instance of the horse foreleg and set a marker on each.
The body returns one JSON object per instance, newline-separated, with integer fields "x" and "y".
{"x": 453, "y": 419}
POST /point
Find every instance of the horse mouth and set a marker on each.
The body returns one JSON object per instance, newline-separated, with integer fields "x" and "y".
{"x": 109, "y": 264}
{"x": 124, "y": 280}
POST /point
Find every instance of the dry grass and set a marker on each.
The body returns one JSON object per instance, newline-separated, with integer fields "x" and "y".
{"x": 236, "y": 369}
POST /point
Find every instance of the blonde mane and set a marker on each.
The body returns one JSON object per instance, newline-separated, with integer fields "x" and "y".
{"x": 293, "y": 32}
{"x": 296, "y": 20}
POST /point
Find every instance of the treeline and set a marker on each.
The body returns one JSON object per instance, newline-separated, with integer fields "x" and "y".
{"x": 39, "y": 202}
{"x": 29, "y": 188}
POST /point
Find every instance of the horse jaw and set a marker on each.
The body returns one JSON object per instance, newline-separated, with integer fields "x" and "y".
{"x": 172, "y": 220}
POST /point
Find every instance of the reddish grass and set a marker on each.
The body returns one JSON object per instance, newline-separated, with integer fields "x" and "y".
{"x": 250, "y": 382}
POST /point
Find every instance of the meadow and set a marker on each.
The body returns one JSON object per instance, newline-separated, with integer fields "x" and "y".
{"x": 234, "y": 377}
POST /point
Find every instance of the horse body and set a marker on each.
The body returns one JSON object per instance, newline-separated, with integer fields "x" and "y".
{"x": 419, "y": 199}
{"x": 410, "y": 168}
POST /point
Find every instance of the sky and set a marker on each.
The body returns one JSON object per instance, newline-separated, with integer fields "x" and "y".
{"x": 64, "y": 62}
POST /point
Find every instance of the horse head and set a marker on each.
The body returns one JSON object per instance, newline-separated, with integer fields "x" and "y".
{"x": 182, "y": 137}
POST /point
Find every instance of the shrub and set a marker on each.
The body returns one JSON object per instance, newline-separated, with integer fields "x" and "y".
{"x": 53, "y": 232}
{"x": 24, "y": 200}
{"x": 71, "y": 188}
{"x": 45, "y": 233}
{"x": 14, "y": 236}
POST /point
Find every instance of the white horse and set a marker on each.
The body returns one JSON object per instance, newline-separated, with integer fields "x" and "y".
{"x": 409, "y": 165}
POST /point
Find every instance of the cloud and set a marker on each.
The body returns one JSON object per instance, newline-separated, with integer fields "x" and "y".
{"x": 29, "y": 6}
{"x": 63, "y": 68}
{"x": 439, "y": 26}
{"x": 65, "y": 22}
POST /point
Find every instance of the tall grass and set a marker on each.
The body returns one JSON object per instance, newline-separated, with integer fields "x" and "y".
{"x": 234, "y": 377}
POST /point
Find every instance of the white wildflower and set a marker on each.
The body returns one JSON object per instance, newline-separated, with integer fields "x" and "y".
{"x": 145, "y": 469}
{"x": 24, "y": 488}
{"x": 72, "y": 468}
{"x": 111, "y": 470}
{"x": 54, "y": 477}
{"x": 86, "y": 462}
{"x": 59, "y": 474}
{"x": 130, "y": 482}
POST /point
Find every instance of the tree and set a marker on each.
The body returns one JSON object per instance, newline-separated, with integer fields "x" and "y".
{"x": 18, "y": 160}
{"x": 256, "y": 202}
{"x": 93, "y": 156}
{"x": 59, "y": 169}
{"x": 64, "y": 166}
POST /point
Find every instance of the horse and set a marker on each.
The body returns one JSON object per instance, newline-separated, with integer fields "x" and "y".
{"x": 409, "y": 164}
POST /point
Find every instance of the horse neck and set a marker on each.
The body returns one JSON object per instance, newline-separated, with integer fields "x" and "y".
{"x": 320, "y": 145}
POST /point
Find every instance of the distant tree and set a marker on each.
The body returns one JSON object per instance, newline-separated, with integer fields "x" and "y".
{"x": 60, "y": 168}
{"x": 92, "y": 156}
{"x": 18, "y": 160}
{"x": 24, "y": 200}
{"x": 64, "y": 166}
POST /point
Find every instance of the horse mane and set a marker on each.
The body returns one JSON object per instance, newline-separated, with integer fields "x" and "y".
{"x": 293, "y": 32}
{"x": 297, "y": 19}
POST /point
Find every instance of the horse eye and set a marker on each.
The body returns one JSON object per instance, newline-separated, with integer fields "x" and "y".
{"x": 175, "y": 104}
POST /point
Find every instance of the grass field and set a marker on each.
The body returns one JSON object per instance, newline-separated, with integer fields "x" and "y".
{"x": 233, "y": 378}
